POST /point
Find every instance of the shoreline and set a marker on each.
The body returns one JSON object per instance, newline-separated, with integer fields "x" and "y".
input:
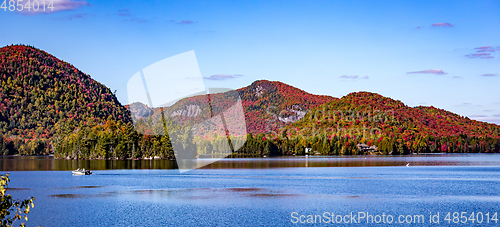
{"x": 242, "y": 156}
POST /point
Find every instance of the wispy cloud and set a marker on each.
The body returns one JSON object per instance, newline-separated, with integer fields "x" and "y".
{"x": 183, "y": 22}
{"x": 354, "y": 77}
{"x": 186, "y": 22}
{"x": 480, "y": 55}
{"x": 128, "y": 15}
{"x": 429, "y": 71}
{"x": 478, "y": 115}
{"x": 493, "y": 120}
{"x": 489, "y": 75}
{"x": 496, "y": 115}
{"x": 59, "y": 5}
{"x": 124, "y": 13}
{"x": 222, "y": 77}
{"x": 442, "y": 25}
{"x": 485, "y": 49}
{"x": 419, "y": 27}
{"x": 484, "y": 118}
{"x": 138, "y": 20}
{"x": 74, "y": 16}
{"x": 484, "y": 52}
{"x": 457, "y": 77}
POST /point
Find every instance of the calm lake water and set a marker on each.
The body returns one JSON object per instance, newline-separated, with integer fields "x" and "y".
{"x": 260, "y": 192}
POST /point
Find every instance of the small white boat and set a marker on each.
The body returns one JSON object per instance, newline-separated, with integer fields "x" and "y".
{"x": 81, "y": 172}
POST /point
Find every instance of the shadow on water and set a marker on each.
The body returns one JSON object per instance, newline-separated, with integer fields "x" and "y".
{"x": 79, "y": 187}
{"x": 81, "y": 195}
{"x": 88, "y": 186}
{"x": 18, "y": 189}
{"x": 59, "y": 188}
{"x": 183, "y": 194}
{"x": 202, "y": 194}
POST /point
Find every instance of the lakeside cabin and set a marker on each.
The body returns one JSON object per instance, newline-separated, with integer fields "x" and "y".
{"x": 363, "y": 148}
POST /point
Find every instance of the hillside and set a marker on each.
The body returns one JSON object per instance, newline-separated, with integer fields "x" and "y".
{"x": 270, "y": 105}
{"x": 40, "y": 93}
{"x": 267, "y": 105}
{"x": 364, "y": 117}
{"x": 48, "y": 105}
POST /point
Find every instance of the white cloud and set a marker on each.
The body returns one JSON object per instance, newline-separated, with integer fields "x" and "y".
{"x": 59, "y": 5}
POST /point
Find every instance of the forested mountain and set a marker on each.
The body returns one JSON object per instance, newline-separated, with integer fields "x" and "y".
{"x": 49, "y": 106}
{"x": 40, "y": 93}
{"x": 267, "y": 105}
{"x": 363, "y": 117}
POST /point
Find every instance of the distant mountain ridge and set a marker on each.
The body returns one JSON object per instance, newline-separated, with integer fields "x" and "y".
{"x": 41, "y": 96}
{"x": 395, "y": 126}
{"x": 270, "y": 106}
{"x": 428, "y": 120}
{"x": 267, "y": 105}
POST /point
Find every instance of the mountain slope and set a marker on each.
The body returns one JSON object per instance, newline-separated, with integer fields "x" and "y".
{"x": 267, "y": 105}
{"x": 39, "y": 93}
{"x": 366, "y": 117}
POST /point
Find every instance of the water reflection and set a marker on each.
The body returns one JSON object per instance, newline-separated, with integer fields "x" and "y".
{"x": 16, "y": 163}
{"x": 31, "y": 163}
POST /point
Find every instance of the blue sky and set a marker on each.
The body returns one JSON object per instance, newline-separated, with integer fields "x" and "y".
{"x": 444, "y": 53}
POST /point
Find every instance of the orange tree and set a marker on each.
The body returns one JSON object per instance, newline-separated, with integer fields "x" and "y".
{"x": 11, "y": 209}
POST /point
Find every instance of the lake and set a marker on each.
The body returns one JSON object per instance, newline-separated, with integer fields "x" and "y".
{"x": 284, "y": 191}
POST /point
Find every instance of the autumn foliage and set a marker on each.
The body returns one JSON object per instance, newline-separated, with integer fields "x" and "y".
{"x": 363, "y": 117}
{"x": 39, "y": 93}
{"x": 49, "y": 106}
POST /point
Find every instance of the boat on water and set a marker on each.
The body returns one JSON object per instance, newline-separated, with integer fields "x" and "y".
{"x": 81, "y": 172}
